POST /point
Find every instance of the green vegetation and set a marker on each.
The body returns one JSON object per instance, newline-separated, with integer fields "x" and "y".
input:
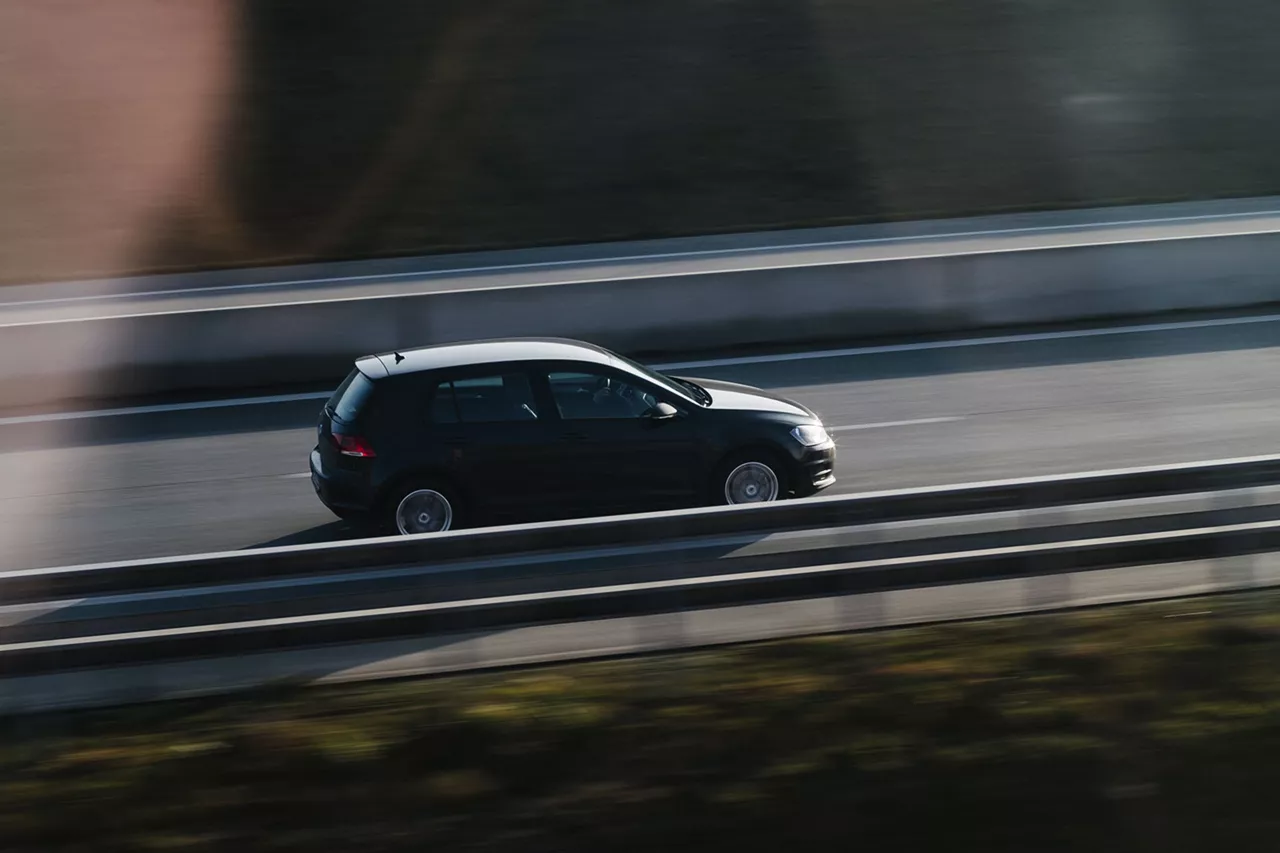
{"x": 1139, "y": 728}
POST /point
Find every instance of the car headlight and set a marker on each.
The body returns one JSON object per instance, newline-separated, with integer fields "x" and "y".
{"x": 811, "y": 435}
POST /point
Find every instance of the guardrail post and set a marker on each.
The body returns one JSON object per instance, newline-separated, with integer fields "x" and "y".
{"x": 660, "y": 619}
{"x": 1046, "y": 582}
{"x": 862, "y": 609}
{"x": 1233, "y": 568}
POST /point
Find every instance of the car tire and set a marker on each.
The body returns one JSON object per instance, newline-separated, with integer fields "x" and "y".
{"x": 754, "y": 476}
{"x": 423, "y": 506}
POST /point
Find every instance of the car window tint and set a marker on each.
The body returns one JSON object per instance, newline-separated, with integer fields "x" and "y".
{"x": 596, "y": 396}
{"x": 484, "y": 399}
{"x": 444, "y": 410}
{"x": 351, "y": 396}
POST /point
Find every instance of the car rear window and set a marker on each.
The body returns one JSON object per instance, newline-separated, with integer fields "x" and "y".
{"x": 351, "y": 397}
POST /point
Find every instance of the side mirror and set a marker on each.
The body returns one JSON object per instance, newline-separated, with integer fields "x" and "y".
{"x": 662, "y": 412}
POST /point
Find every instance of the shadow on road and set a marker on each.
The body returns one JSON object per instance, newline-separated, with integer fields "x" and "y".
{"x": 337, "y": 531}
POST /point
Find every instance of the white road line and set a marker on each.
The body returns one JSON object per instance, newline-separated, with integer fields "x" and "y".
{"x": 885, "y": 424}
{"x": 850, "y": 352}
{"x": 295, "y": 476}
{"x": 692, "y": 253}
{"x": 1030, "y": 337}
{"x": 164, "y": 407}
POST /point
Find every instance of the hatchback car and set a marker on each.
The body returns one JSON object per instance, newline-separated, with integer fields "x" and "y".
{"x": 521, "y": 430}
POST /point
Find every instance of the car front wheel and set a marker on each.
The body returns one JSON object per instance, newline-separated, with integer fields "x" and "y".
{"x": 751, "y": 478}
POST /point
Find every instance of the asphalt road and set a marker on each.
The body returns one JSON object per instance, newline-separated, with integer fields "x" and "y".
{"x": 164, "y": 483}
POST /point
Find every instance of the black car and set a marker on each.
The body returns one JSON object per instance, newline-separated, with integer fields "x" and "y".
{"x": 521, "y": 430}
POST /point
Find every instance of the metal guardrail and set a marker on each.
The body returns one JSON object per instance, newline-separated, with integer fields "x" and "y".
{"x": 629, "y": 599}
{"x": 622, "y": 531}
{"x": 61, "y": 619}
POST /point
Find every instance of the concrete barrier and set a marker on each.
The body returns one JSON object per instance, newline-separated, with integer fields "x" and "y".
{"x": 899, "y": 286}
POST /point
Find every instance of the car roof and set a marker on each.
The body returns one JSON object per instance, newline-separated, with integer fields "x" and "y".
{"x": 444, "y": 356}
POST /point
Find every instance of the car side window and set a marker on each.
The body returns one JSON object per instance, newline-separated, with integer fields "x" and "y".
{"x": 483, "y": 399}
{"x": 597, "y": 396}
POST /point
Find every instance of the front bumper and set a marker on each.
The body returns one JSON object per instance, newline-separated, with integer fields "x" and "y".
{"x": 816, "y": 470}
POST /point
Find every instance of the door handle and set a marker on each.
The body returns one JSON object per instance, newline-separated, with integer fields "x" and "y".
{"x": 457, "y": 442}
{"x": 574, "y": 436}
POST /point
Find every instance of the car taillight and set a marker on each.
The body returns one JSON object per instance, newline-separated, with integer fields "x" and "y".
{"x": 352, "y": 445}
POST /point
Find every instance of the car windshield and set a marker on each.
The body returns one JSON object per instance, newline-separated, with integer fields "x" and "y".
{"x": 665, "y": 382}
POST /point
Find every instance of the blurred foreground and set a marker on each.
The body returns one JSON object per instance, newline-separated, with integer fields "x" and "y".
{"x": 1148, "y": 727}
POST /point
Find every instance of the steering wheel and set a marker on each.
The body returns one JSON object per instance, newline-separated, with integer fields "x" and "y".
{"x": 604, "y": 387}
{"x": 636, "y": 399}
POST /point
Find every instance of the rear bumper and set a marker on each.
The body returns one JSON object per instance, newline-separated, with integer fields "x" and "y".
{"x": 336, "y": 489}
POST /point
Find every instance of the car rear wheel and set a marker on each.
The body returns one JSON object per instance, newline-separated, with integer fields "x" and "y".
{"x": 751, "y": 478}
{"x": 424, "y": 508}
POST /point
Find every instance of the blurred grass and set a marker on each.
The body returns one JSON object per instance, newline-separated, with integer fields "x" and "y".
{"x": 1147, "y": 727}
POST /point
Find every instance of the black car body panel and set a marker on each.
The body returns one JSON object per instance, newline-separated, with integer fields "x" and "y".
{"x": 733, "y": 397}
{"x": 527, "y": 430}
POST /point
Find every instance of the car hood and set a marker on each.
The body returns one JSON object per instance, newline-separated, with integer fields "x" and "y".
{"x": 730, "y": 396}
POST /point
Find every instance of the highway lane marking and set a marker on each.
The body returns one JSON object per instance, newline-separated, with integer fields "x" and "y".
{"x": 1066, "y": 228}
{"x": 229, "y": 403}
{"x": 995, "y": 340}
{"x": 776, "y": 358}
{"x": 886, "y": 424}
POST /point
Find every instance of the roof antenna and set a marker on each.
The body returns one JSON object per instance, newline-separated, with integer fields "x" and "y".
{"x": 399, "y": 358}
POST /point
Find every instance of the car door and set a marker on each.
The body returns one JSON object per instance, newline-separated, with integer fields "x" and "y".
{"x": 619, "y": 460}
{"x": 499, "y": 444}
